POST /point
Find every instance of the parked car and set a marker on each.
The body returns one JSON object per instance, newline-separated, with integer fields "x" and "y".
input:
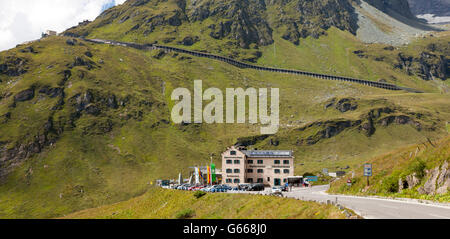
{"x": 257, "y": 187}
{"x": 284, "y": 188}
{"x": 276, "y": 191}
{"x": 227, "y": 187}
{"x": 207, "y": 189}
{"x": 244, "y": 187}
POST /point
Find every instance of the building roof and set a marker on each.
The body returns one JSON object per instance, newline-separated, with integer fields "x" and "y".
{"x": 268, "y": 153}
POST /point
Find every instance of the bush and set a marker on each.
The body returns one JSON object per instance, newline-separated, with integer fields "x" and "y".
{"x": 418, "y": 167}
{"x": 390, "y": 184}
{"x": 199, "y": 194}
{"x": 185, "y": 214}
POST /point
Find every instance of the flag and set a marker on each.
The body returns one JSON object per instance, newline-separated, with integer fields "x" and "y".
{"x": 209, "y": 174}
{"x": 213, "y": 173}
{"x": 197, "y": 175}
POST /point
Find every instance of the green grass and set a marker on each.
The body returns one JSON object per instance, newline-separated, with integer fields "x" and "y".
{"x": 88, "y": 168}
{"x": 399, "y": 164}
{"x": 169, "y": 204}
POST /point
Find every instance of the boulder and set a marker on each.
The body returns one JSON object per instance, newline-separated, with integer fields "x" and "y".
{"x": 24, "y": 95}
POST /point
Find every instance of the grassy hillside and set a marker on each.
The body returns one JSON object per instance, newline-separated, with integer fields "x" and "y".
{"x": 84, "y": 125}
{"x": 169, "y": 204}
{"x": 389, "y": 168}
{"x": 83, "y": 150}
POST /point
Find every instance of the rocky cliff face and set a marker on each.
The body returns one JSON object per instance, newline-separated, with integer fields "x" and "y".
{"x": 399, "y": 6}
{"x": 243, "y": 23}
{"x": 436, "y": 7}
{"x": 303, "y": 18}
{"x": 438, "y": 180}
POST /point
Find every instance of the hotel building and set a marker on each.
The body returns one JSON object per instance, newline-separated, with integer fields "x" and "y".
{"x": 269, "y": 167}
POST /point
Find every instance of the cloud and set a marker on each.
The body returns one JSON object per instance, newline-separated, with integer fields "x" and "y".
{"x": 25, "y": 20}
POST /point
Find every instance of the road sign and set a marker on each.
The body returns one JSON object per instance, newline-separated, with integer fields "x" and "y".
{"x": 349, "y": 182}
{"x": 368, "y": 170}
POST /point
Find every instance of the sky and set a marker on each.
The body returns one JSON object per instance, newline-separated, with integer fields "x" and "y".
{"x": 25, "y": 20}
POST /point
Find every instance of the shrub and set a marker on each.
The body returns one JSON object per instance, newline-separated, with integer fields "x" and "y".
{"x": 390, "y": 184}
{"x": 418, "y": 167}
{"x": 199, "y": 194}
{"x": 185, "y": 214}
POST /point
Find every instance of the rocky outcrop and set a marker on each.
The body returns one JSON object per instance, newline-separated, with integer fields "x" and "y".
{"x": 13, "y": 66}
{"x": 302, "y": 18}
{"x": 11, "y": 157}
{"x": 399, "y": 6}
{"x": 343, "y": 105}
{"x": 436, "y": 7}
{"x": 399, "y": 119}
{"x": 189, "y": 41}
{"x": 328, "y": 129}
{"x": 410, "y": 182}
{"x": 438, "y": 180}
{"x": 251, "y": 140}
{"x": 241, "y": 21}
{"x": 81, "y": 61}
{"x": 427, "y": 66}
{"x": 24, "y": 95}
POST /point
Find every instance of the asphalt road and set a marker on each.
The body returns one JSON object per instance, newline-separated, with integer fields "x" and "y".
{"x": 375, "y": 208}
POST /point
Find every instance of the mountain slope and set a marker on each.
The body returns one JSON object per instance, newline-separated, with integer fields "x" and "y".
{"x": 419, "y": 171}
{"x": 435, "y": 7}
{"x": 85, "y": 125}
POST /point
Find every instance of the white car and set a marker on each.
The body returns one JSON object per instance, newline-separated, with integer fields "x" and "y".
{"x": 276, "y": 190}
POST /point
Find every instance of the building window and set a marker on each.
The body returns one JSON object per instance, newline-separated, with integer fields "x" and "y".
{"x": 229, "y": 161}
{"x": 236, "y": 180}
{"x": 286, "y": 171}
{"x": 237, "y": 170}
{"x": 260, "y": 170}
{"x": 250, "y": 161}
{"x": 260, "y": 180}
{"x": 229, "y": 180}
{"x": 268, "y": 179}
{"x": 277, "y": 171}
{"x": 249, "y": 170}
{"x": 286, "y": 162}
{"x": 285, "y": 180}
{"x": 249, "y": 180}
{"x": 277, "y": 161}
{"x": 260, "y": 162}
{"x": 229, "y": 170}
{"x": 237, "y": 161}
{"x": 233, "y": 152}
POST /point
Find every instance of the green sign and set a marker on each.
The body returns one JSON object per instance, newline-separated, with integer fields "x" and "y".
{"x": 213, "y": 173}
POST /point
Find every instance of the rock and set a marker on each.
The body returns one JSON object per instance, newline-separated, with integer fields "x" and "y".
{"x": 427, "y": 66}
{"x": 412, "y": 180}
{"x": 24, "y": 95}
{"x": 28, "y": 49}
{"x": 14, "y": 66}
{"x": 189, "y": 41}
{"x": 88, "y": 54}
{"x": 438, "y": 180}
{"x": 71, "y": 42}
{"x": 443, "y": 181}
{"x": 52, "y": 92}
{"x": 79, "y": 61}
{"x": 347, "y": 104}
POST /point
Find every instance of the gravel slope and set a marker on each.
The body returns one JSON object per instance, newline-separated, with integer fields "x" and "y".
{"x": 376, "y": 26}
